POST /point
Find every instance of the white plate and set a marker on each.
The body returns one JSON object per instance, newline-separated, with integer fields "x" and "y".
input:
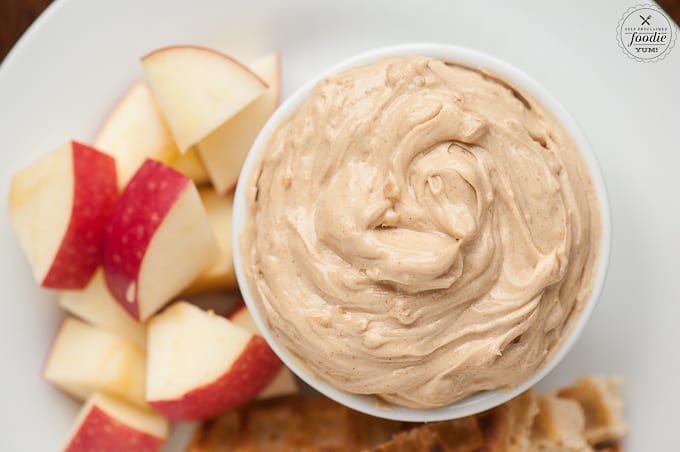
{"x": 64, "y": 75}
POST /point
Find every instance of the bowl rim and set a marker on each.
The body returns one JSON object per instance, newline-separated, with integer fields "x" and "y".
{"x": 484, "y": 400}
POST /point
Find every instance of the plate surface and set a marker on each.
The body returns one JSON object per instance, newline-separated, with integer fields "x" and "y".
{"x": 67, "y": 71}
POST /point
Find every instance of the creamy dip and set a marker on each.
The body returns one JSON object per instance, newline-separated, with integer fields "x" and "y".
{"x": 420, "y": 231}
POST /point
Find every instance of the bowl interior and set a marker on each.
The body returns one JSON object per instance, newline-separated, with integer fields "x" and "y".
{"x": 474, "y": 59}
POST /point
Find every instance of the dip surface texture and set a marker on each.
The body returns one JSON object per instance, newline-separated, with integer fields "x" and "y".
{"x": 420, "y": 231}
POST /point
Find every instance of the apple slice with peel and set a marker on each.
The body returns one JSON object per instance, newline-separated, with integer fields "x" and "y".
{"x": 220, "y": 275}
{"x": 97, "y": 306}
{"x": 135, "y": 130}
{"x": 198, "y": 89}
{"x": 109, "y": 424}
{"x": 224, "y": 151}
{"x": 58, "y": 207}
{"x": 200, "y": 364}
{"x": 84, "y": 359}
{"x": 158, "y": 239}
{"x": 241, "y": 316}
{"x": 284, "y": 383}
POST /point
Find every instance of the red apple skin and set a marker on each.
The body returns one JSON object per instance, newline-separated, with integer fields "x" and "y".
{"x": 101, "y": 432}
{"x": 254, "y": 369}
{"x": 94, "y": 194}
{"x": 139, "y": 211}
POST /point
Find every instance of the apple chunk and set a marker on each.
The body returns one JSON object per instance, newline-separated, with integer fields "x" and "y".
{"x": 220, "y": 275}
{"x": 84, "y": 359}
{"x": 105, "y": 423}
{"x": 191, "y": 165}
{"x": 224, "y": 151}
{"x": 198, "y": 89}
{"x": 241, "y": 316}
{"x": 284, "y": 383}
{"x": 201, "y": 364}
{"x": 58, "y": 207}
{"x": 157, "y": 241}
{"x": 97, "y": 306}
{"x": 135, "y": 130}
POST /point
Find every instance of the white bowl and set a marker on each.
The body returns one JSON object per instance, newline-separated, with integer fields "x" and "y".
{"x": 487, "y": 399}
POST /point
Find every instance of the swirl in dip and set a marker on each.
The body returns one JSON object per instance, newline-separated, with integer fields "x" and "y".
{"x": 420, "y": 231}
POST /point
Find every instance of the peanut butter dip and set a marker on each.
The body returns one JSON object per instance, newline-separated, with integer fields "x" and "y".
{"x": 420, "y": 231}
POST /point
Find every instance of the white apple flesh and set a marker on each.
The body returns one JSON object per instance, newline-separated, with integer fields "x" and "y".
{"x": 198, "y": 89}
{"x": 220, "y": 275}
{"x": 191, "y": 165}
{"x": 96, "y": 305}
{"x": 84, "y": 359}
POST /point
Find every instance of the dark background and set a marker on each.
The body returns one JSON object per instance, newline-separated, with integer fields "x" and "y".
{"x": 17, "y": 15}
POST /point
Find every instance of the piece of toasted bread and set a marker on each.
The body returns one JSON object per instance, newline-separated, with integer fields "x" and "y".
{"x": 458, "y": 435}
{"x": 602, "y": 406}
{"x": 559, "y": 426}
{"x": 293, "y": 423}
{"x": 524, "y": 424}
{"x": 507, "y": 428}
{"x": 319, "y": 424}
